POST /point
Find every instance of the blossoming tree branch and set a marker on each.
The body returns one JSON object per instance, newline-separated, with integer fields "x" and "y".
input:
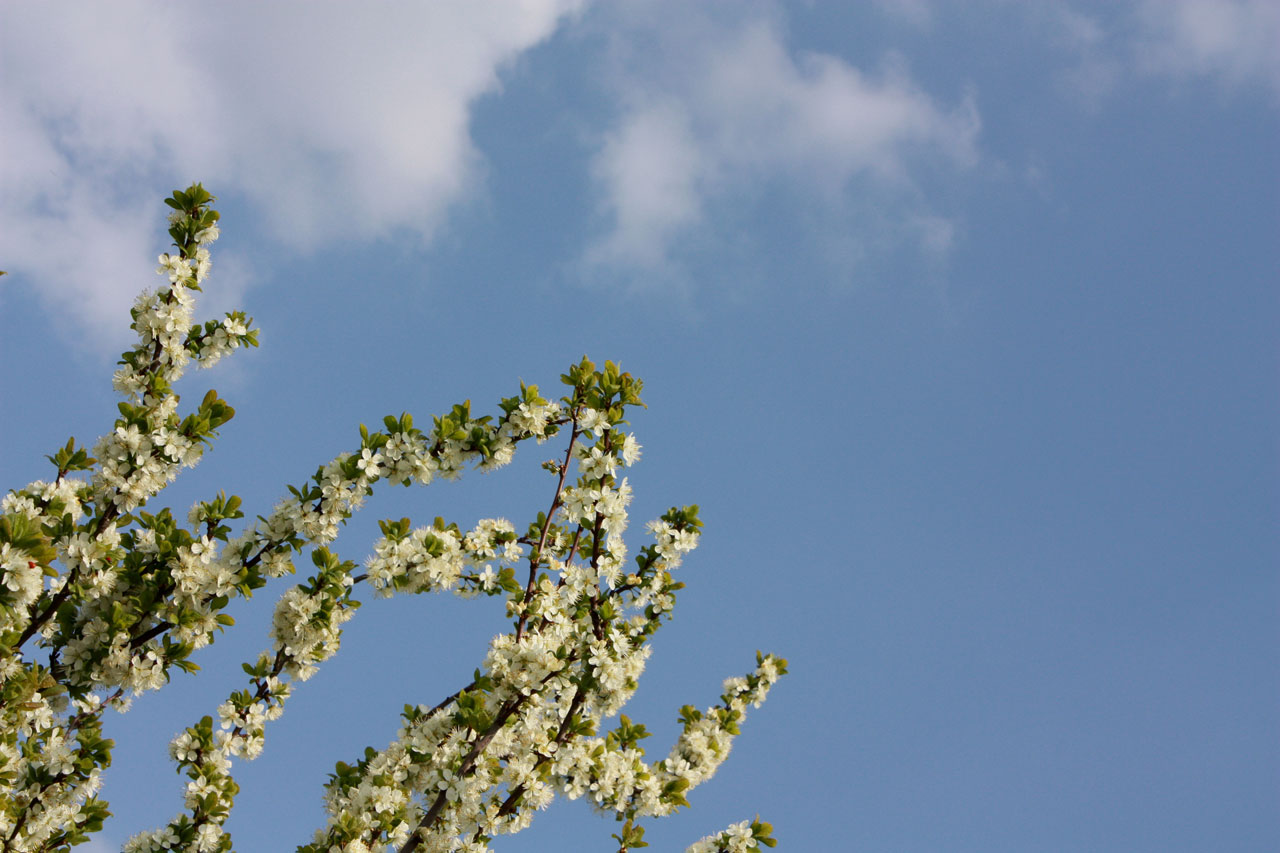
{"x": 102, "y": 598}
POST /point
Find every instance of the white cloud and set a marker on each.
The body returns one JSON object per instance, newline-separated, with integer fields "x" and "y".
{"x": 332, "y": 120}
{"x": 1234, "y": 41}
{"x": 715, "y": 112}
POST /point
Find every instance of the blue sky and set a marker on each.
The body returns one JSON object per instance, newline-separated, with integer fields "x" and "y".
{"x": 958, "y": 320}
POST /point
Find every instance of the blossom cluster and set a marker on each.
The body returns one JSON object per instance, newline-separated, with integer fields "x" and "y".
{"x": 87, "y": 582}
{"x": 740, "y": 838}
{"x": 114, "y": 597}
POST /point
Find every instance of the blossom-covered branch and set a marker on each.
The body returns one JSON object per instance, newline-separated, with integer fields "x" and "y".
{"x": 101, "y": 598}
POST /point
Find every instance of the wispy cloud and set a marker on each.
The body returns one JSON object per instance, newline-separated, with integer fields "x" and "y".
{"x": 1231, "y": 43}
{"x": 1093, "y": 70}
{"x": 1234, "y": 41}
{"x": 714, "y": 111}
{"x": 654, "y": 172}
{"x": 332, "y": 121}
{"x": 917, "y": 13}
